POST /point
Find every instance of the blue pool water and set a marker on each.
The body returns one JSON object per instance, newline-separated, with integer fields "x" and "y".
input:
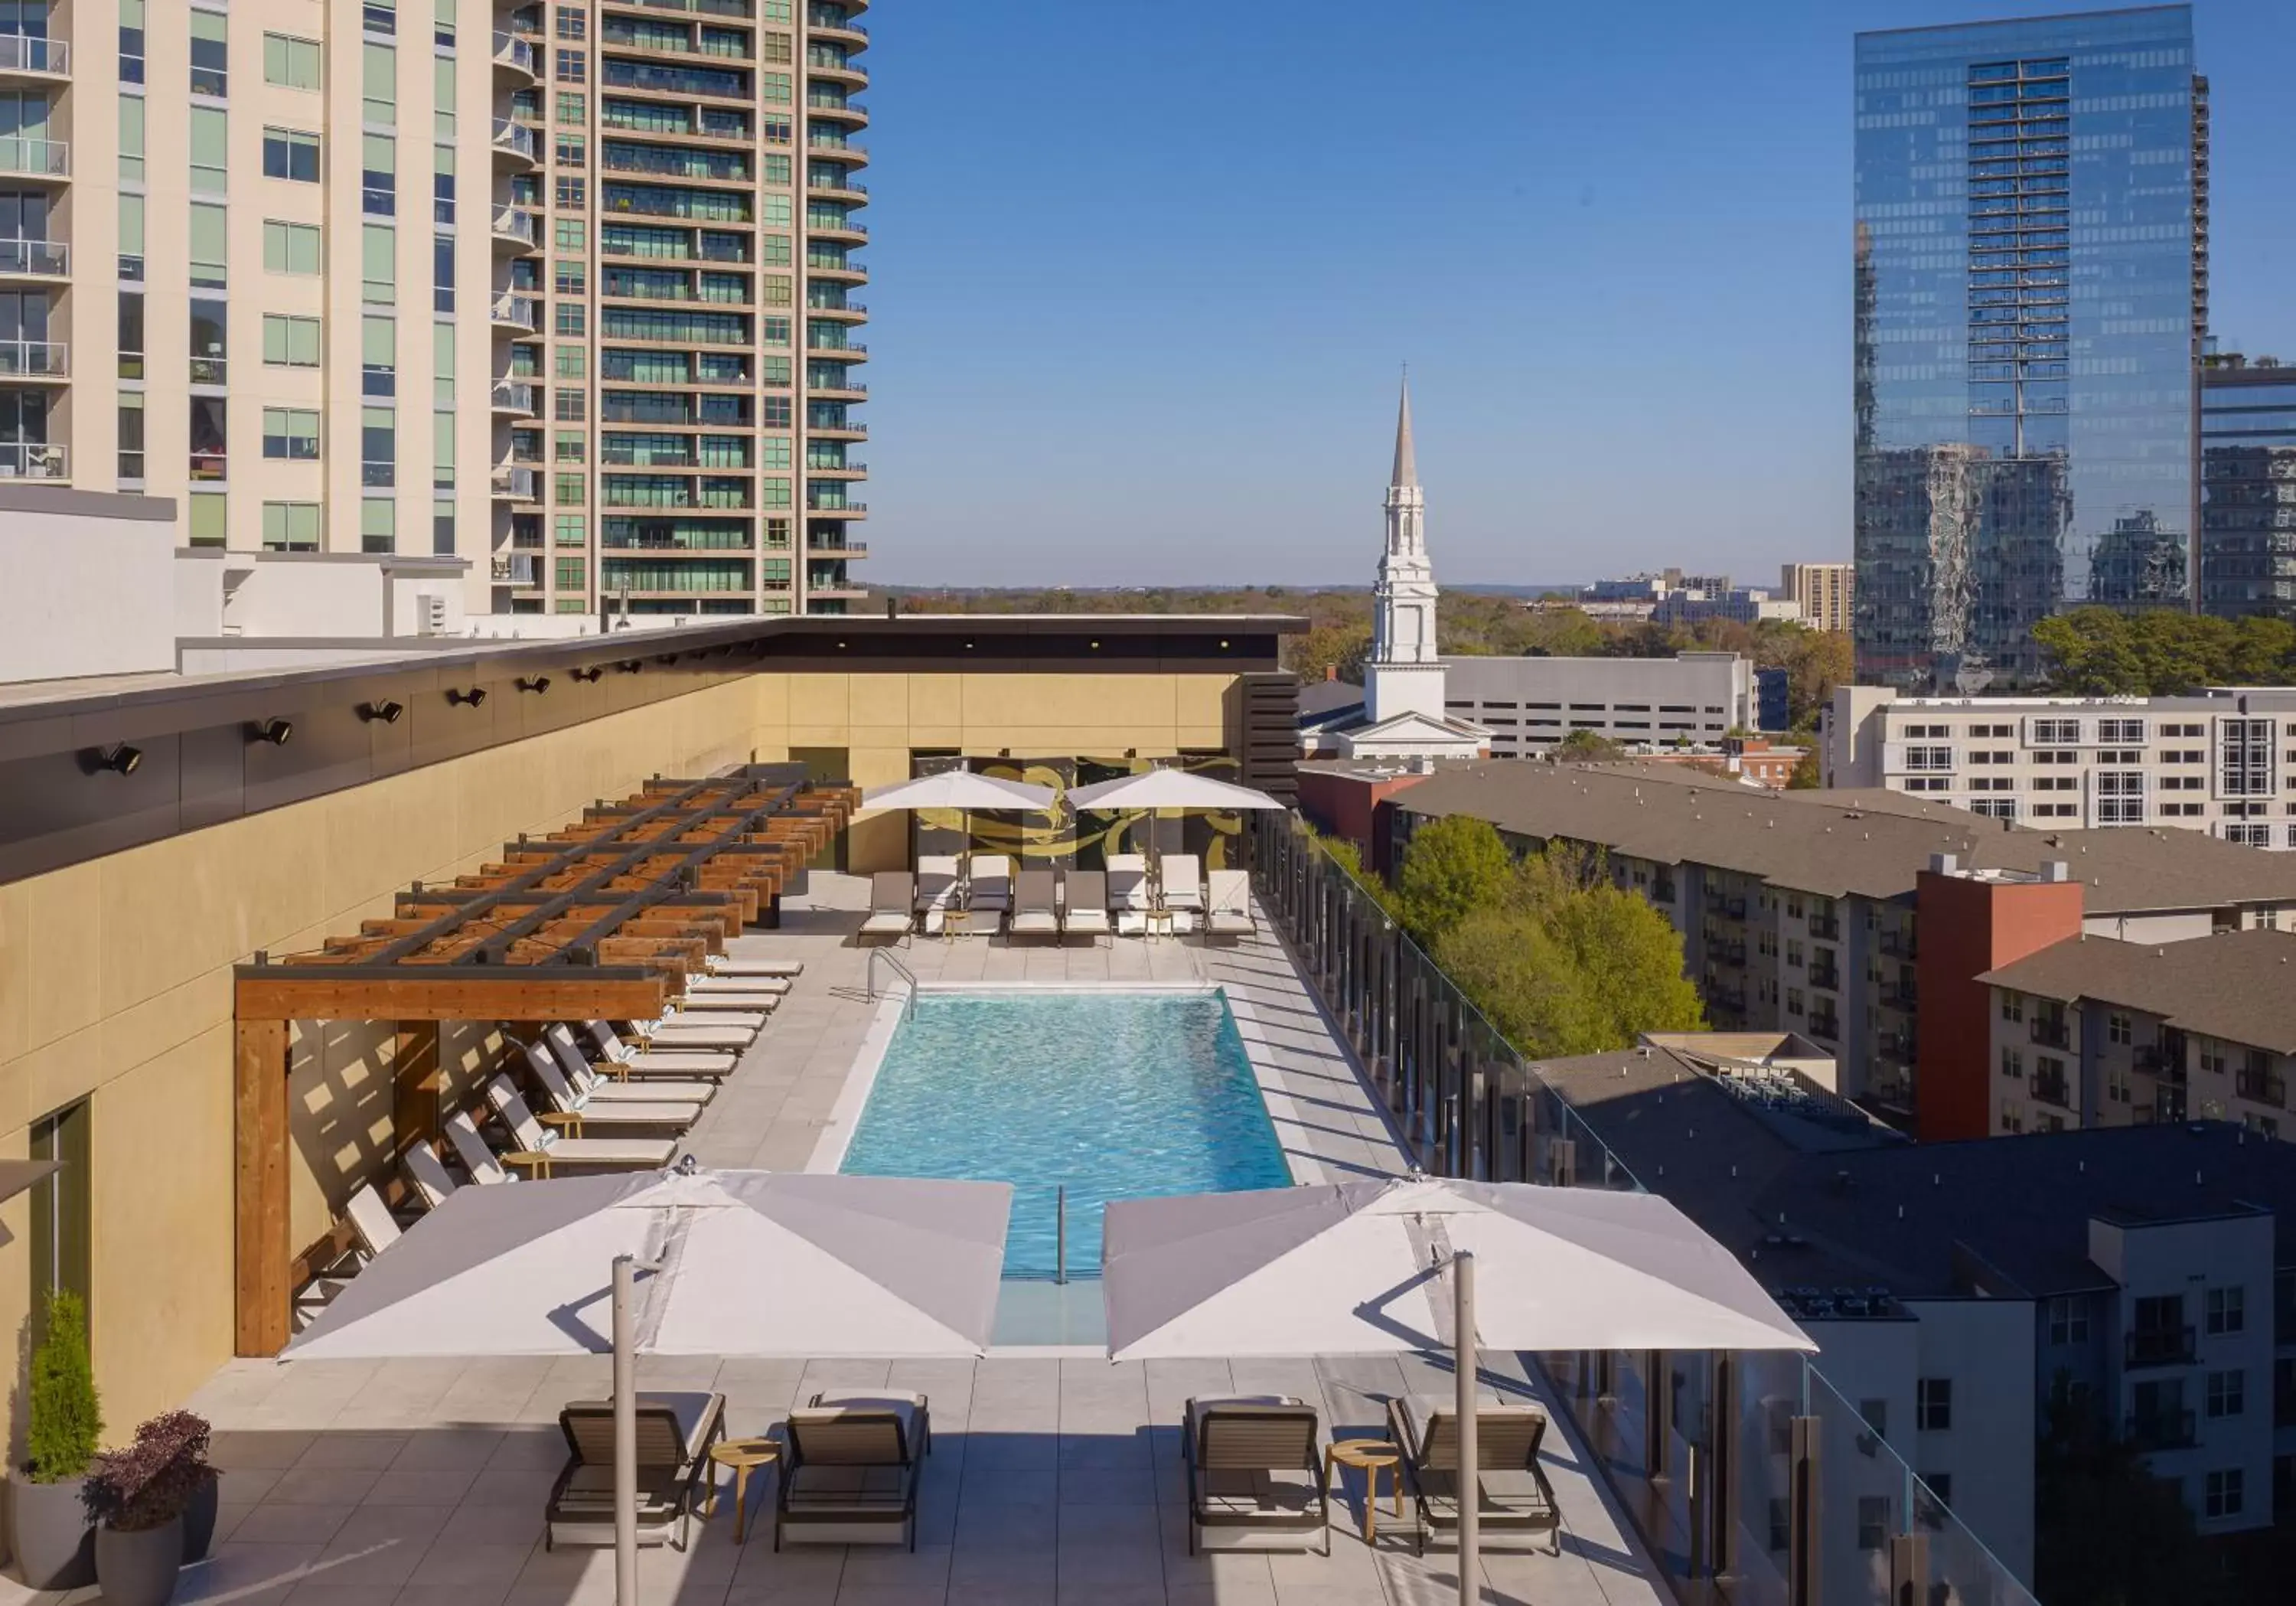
{"x": 1115, "y": 1095}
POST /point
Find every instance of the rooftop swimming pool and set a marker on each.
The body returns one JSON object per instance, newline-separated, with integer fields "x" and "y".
{"x": 1113, "y": 1095}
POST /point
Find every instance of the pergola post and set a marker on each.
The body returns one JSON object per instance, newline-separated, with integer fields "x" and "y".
{"x": 418, "y": 1085}
{"x": 260, "y": 1188}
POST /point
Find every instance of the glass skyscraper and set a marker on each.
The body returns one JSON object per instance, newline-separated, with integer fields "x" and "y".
{"x": 2030, "y": 294}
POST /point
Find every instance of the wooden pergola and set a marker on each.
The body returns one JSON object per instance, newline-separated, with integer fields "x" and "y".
{"x": 603, "y": 919}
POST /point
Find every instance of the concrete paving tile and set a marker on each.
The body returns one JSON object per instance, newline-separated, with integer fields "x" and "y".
{"x": 289, "y": 1524}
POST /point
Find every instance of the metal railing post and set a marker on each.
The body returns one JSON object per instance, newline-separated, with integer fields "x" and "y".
{"x": 1061, "y": 1233}
{"x": 1805, "y": 1550}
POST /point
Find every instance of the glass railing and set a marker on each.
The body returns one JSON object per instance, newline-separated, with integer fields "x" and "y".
{"x": 41, "y": 460}
{"x": 39, "y": 158}
{"x": 517, "y": 54}
{"x": 34, "y": 359}
{"x": 518, "y": 139}
{"x": 47, "y": 258}
{"x": 514, "y": 396}
{"x": 21, "y": 52}
{"x": 1747, "y": 1475}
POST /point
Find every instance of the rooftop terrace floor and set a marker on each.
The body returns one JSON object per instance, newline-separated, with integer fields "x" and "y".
{"x": 1055, "y": 1476}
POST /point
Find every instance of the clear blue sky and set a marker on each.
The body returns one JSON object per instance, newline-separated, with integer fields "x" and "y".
{"x": 1145, "y": 275}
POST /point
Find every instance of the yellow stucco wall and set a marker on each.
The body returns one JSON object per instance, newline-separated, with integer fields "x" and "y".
{"x": 115, "y": 975}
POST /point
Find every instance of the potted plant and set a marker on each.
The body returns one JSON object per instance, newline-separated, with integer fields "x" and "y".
{"x": 47, "y": 1517}
{"x": 139, "y": 1496}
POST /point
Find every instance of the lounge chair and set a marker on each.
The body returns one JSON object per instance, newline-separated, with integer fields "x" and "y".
{"x": 1086, "y": 910}
{"x": 644, "y": 1063}
{"x": 426, "y": 1173}
{"x": 1035, "y": 906}
{"x": 891, "y": 893}
{"x": 372, "y": 1231}
{"x": 1514, "y": 1495}
{"x": 850, "y": 1470}
{"x": 610, "y": 1108}
{"x": 478, "y": 1159}
{"x": 545, "y": 1149}
{"x": 702, "y": 987}
{"x": 1230, "y": 913}
{"x": 1253, "y": 1476}
{"x": 988, "y": 889}
{"x": 675, "y": 1432}
{"x": 558, "y": 1037}
{"x": 730, "y": 965}
{"x": 938, "y": 880}
{"x": 1180, "y": 882}
{"x": 714, "y": 1031}
{"x": 1127, "y": 892}
{"x": 719, "y": 1005}
{"x": 371, "y": 1221}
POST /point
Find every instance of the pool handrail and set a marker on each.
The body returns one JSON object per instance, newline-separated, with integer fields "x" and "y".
{"x": 909, "y": 1005}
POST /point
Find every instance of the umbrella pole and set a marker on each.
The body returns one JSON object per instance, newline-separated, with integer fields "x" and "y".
{"x": 1469, "y": 1488}
{"x": 625, "y": 1437}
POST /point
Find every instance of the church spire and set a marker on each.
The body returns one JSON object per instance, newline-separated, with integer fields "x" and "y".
{"x": 1407, "y": 465}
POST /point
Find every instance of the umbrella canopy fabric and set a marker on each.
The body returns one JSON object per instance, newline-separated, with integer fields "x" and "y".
{"x": 751, "y": 1263}
{"x": 1355, "y": 1268}
{"x": 1167, "y": 789}
{"x": 961, "y": 789}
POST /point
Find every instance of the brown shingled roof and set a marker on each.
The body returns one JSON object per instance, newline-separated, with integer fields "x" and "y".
{"x": 2238, "y": 986}
{"x": 1837, "y": 845}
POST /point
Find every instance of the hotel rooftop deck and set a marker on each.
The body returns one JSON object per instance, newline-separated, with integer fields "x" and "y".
{"x": 1055, "y": 1475}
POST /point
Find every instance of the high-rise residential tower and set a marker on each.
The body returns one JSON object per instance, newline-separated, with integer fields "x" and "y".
{"x": 612, "y": 358}
{"x": 2031, "y": 280}
{"x": 2248, "y": 487}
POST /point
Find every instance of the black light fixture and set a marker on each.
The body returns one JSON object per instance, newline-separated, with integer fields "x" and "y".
{"x": 274, "y": 731}
{"x": 665, "y": 658}
{"x": 476, "y": 696}
{"x": 387, "y": 711}
{"x": 630, "y": 666}
{"x": 540, "y": 683}
{"x": 119, "y": 759}
{"x": 586, "y": 675}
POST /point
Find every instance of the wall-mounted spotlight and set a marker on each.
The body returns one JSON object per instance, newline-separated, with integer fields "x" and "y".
{"x": 476, "y": 696}
{"x": 274, "y": 731}
{"x": 666, "y": 658}
{"x": 119, "y": 759}
{"x": 540, "y": 683}
{"x": 387, "y": 711}
{"x": 586, "y": 676}
{"x": 1223, "y": 645}
{"x": 629, "y": 666}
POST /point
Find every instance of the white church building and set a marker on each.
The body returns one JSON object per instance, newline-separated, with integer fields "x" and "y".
{"x": 1401, "y": 716}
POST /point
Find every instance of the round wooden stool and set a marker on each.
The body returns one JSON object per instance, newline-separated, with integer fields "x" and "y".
{"x": 1371, "y": 1456}
{"x": 746, "y": 1455}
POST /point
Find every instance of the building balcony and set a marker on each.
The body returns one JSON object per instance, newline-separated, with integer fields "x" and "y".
{"x": 828, "y": 68}
{"x": 34, "y": 460}
{"x": 2050, "y": 1034}
{"x": 35, "y": 259}
{"x": 828, "y": 25}
{"x": 851, "y": 429}
{"x": 829, "y": 144}
{"x": 1728, "y": 908}
{"x": 519, "y": 314}
{"x": 843, "y": 273}
{"x": 34, "y": 359}
{"x": 517, "y": 485}
{"x": 2159, "y": 1346}
{"x": 48, "y": 61}
{"x": 835, "y": 546}
{"x": 849, "y": 311}
{"x": 2155, "y": 1061}
{"x": 1826, "y": 980}
{"x": 852, "y": 231}
{"x": 837, "y": 390}
{"x": 517, "y": 229}
{"x": 2262, "y": 1087}
{"x": 1901, "y": 997}
{"x": 851, "y": 351}
{"x": 2051, "y": 1090}
{"x": 517, "y": 569}
{"x": 1828, "y": 1025}
{"x": 1727, "y": 951}
{"x": 840, "y": 589}
{"x": 22, "y": 156}
{"x": 516, "y": 144}
{"x": 744, "y": 11}
{"x": 838, "y": 108}
{"x": 848, "y": 470}
{"x": 835, "y": 508}
{"x": 516, "y": 397}
{"x": 1825, "y": 929}
{"x": 516, "y": 59}
{"x": 2160, "y": 1429}
{"x": 844, "y": 189}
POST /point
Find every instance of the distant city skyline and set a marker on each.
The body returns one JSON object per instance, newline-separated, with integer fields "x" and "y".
{"x": 1625, "y": 297}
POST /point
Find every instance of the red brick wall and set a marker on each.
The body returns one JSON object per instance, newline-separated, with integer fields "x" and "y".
{"x": 1343, "y": 805}
{"x": 1963, "y": 928}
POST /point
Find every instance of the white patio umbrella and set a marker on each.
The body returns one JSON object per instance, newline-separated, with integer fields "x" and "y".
{"x": 731, "y": 1262}
{"x": 1153, "y": 789}
{"x": 1384, "y": 1266}
{"x": 966, "y": 791}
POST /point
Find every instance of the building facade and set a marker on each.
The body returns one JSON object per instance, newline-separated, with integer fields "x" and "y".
{"x": 1823, "y": 591}
{"x": 2248, "y": 488}
{"x": 1998, "y": 481}
{"x": 1737, "y": 604}
{"x": 564, "y": 291}
{"x": 1529, "y": 704}
{"x": 2223, "y": 763}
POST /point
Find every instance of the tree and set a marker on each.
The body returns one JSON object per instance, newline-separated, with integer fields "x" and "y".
{"x": 1452, "y": 868}
{"x": 1325, "y": 647}
{"x": 1807, "y": 776}
{"x": 1581, "y": 746}
{"x": 67, "y": 1417}
{"x": 2105, "y": 1531}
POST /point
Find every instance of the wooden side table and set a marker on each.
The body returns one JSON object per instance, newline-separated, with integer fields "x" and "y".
{"x": 746, "y": 1455}
{"x": 1370, "y": 1455}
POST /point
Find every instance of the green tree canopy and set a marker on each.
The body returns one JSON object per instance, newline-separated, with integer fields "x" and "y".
{"x": 1453, "y": 866}
{"x": 2102, "y": 652}
{"x": 1587, "y": 745}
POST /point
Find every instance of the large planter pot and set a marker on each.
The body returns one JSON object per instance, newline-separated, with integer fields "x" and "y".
{"x": 49, "y": 1531}
{"x": 139, "y": 1569}
{"x": 199, "y": 1518}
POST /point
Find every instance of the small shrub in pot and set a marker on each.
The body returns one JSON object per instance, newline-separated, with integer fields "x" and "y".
{"x": 47, "y": 1517}
{"x": 140, "y": 1495}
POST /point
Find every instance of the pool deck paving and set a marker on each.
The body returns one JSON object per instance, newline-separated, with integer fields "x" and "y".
{"x": 1055, "y": 1477}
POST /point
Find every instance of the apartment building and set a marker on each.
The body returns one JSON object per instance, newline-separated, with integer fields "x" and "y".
{"x": 1529, "y": 704}
{"x": 1950, "y": 1286}
{"x": 1823, "y": 591}
{"x": 2248, "y": 478}
{"x": 1735, "y": 604}
{"x": 1860, "y": 923}
{"x": 517, "y": 285}
{"x": 2223, "y": 761}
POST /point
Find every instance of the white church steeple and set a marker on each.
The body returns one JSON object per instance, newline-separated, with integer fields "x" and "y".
{"x": 1403, "y": 674}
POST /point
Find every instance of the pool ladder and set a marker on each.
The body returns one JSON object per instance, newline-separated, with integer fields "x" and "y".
{"x": 908, "y": 1006}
